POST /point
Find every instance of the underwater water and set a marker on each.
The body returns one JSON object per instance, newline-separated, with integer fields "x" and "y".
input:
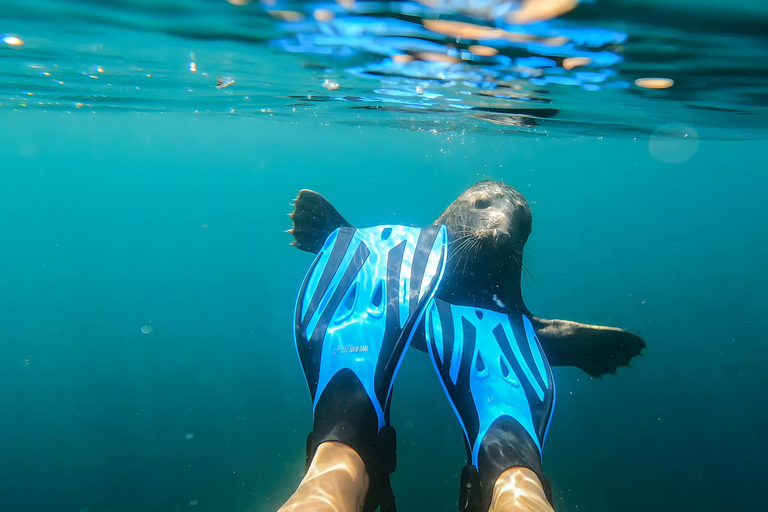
{"x": 149, "y": 152}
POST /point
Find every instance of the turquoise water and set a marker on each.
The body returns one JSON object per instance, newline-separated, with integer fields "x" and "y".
{"x": 146, "y": 357}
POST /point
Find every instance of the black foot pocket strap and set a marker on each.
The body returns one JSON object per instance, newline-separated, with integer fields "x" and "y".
{"x": 380, "y": 494}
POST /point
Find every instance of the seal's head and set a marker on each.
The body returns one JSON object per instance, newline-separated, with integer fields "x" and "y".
{"x": 489, "y": 223}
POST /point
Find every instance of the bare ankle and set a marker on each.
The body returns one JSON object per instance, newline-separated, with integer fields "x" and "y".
{"x": 519, "y": 490}
{"x": 338, "y": 456}
{"x": 335, "y": 482}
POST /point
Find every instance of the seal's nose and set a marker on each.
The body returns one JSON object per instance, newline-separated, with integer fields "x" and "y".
{"x": 499, "y": 223}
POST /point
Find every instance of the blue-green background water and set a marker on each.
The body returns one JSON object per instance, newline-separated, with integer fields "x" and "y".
{"x": 115, "y": 220}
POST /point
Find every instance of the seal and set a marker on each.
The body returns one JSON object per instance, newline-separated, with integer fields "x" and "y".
{"x": 488, "y": 226}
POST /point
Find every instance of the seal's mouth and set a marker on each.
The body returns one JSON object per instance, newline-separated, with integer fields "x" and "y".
{"x": 494, "y": 237}
{"x": 483, "y": 245}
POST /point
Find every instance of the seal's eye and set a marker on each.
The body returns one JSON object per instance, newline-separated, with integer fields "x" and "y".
{"x": 482, "y": 204}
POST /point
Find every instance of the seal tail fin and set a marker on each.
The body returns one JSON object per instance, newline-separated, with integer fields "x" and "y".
{"x": 314, "y": 219}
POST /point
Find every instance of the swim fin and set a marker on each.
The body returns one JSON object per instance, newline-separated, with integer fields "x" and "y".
{"x": 355, "y": 315}
{"x": 502, "y": 390}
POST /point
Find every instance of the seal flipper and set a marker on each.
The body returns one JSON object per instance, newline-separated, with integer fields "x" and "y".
{"x": 595, "y": 349}
{"x": 314, "y": 219}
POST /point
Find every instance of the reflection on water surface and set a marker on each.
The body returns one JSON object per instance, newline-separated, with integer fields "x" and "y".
{"x": 536, "y": 66}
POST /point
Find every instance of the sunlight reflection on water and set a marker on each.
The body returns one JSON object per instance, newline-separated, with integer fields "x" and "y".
{"x": 537, "y": 66}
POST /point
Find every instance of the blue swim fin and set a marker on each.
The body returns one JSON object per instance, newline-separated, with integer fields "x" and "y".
{"x": 501, "y": 387}
{"x": 356, "y": 314}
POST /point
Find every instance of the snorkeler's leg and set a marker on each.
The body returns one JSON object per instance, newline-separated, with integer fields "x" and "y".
{"x": 519, "y": 490}
{"x": 503, "y": 392}
{"x": 335, "y": 482}
{"x": 357, "y": 311}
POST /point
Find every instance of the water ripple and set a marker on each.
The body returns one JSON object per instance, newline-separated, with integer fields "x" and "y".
{"x": 533, "y": 66}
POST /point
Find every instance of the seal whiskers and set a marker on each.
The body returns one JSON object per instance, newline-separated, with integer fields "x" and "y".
{"x": 459, "y": 244}
{"x": 464, "y": 249}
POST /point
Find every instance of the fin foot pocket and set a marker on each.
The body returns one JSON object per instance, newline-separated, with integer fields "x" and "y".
{"x": 501, "y": 388}
{"x": 355, "y": 316}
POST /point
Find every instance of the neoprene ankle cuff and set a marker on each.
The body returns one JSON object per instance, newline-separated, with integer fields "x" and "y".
{"x": 506, "y": 445}
{"x": 345, "y": 414}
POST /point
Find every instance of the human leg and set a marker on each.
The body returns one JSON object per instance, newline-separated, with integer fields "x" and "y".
{"x": 336, "y": 481}
{"x": 356, "y": 314}
{"x": 502, "y": 390}
{"x": 519, "y": 490}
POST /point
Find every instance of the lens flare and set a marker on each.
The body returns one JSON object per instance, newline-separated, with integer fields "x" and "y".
{"x": 673, "y": 143}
